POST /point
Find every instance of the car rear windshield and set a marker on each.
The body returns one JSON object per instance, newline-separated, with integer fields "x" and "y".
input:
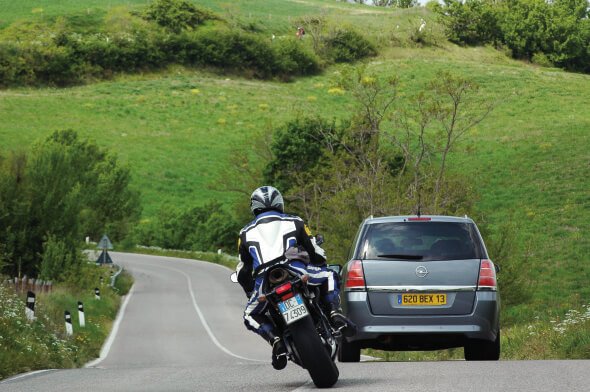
{"x": 421, "y": 241}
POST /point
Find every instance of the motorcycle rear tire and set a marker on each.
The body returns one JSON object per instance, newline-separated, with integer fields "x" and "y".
{"x": 313, "y": 355}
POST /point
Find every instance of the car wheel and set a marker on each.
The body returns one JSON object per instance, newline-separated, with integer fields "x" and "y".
{"x": 349, "y": 351}
{"x": 482, "y": 350}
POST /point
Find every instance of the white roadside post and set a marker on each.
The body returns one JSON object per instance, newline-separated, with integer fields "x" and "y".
{"x": 30, "y": 309}
{"x": 69, "y": 328}
{"x": 97, "y": 293}
{"x": 81, "y": 315}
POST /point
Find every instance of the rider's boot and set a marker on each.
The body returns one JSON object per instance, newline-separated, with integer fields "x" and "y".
{"x": 341, "y": 322}
{"x": 279, "y": 352}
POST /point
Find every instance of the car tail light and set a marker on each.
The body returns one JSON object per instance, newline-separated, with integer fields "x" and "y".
{"x": 419, "y": 219}
{"x": 355, "y": 278}
{"x": 487, "y": 276}
{"x": 285, "y": 291}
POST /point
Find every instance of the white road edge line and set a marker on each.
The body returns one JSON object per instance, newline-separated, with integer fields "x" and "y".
{"x": 26, "y": 375}
{"x": 204, "y": 322}
{"x": 104, "y": 351}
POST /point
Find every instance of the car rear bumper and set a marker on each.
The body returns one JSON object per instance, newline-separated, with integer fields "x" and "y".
{"x": 481, "y": 323}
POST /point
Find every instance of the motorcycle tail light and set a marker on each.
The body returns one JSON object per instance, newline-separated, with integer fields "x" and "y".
{"x": 283, "y": 289}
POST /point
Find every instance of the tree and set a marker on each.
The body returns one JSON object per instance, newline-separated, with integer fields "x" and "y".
{"x": 390, "y": 157}
{"x": 53, "y": 196}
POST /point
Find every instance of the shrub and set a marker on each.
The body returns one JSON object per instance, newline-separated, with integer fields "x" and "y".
{"x": 58, "y": 258}
{"x": 542, "y": 60}
{"x": 345, "y": 46}
{"x": 177, "y": 15}
{"x": 294, "y": 59}
{"x": 54, "y": 54}
{"x": 472, "y": 22}
{"x": 559, "y": 30}
{"x": 205, "y": 228}
{"x": 297, "y": 148}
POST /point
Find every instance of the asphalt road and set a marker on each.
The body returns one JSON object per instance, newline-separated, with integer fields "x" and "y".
{"x": 181, "y": 330}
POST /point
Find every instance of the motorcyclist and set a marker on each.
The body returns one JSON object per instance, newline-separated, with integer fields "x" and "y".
{"x": 262, "y": 243}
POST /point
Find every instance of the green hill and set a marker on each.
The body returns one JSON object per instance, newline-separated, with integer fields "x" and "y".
{"x": 529, "y": 160}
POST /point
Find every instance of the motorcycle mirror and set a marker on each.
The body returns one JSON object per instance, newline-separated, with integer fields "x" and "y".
{"x": 319, "y": 239}
{"x": 234, "y": 277}
{"x": 336, "y": 268}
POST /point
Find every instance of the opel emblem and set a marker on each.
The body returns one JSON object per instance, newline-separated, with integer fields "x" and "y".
{"x": 421, "y": 271}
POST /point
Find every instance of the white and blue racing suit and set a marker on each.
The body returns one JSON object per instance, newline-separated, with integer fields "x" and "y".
{"x": 264, "y": 241}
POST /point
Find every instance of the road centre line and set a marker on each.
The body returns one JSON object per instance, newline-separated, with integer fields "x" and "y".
{"x": 204, "y": 322}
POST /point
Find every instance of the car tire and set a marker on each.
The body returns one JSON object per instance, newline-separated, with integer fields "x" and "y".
{"x": 349, "y": 351}
{"x": 482, "y": 350}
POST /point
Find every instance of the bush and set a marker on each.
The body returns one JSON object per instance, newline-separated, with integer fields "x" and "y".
{"x": 345, "y": 46}
{"x": 294, "y": 59}
{"x": 243, "y": 52}
{"x": 58, "y": 258}
{"x": 56, "y": 55}
{"x": 205, "y": 228}
{"x": 559, "y": 30}
{"x": 297, "y": 148}
{"x": 542, "y": 60}
{"x": 473, "y": 22}
{"x": 177, "y": 15}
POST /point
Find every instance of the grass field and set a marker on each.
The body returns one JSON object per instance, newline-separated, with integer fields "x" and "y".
{"x": 529, "y": 160}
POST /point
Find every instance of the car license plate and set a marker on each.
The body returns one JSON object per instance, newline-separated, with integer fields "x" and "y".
{"x": 426, "y": 299}
{"x": 293, "y": 309}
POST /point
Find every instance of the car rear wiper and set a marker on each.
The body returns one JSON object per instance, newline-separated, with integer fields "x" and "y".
{"x": 402, "y": 256}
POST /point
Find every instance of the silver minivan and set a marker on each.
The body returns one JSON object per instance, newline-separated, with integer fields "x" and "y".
{"x": 421, "y": 283}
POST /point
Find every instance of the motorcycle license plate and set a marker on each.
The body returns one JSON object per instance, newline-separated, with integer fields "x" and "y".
{"x": 293, "y": 309}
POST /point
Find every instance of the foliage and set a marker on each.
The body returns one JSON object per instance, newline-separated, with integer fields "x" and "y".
{"x": 347, "y": 45}
{"x": 503, "y": 242}
{"x": 298, "y": 147}
{"x": 293, "y": 58}
{"x": 560, "y": 29}
{"x": 213, "y": 257}
{"x": 205, "y": 228}
{"x": 231, "y": 50}
{"x": 57, "y": 259}
{"x": 177, "y": 15}
{"x": 43, "y": 343}
{"x": 63, "y": 190}
{"x": 473, "y": 22}
{"x": 25, "y": 346}
{"x": 128, "y": 44}
{"x": 123, "y": 283}
{"x": 337, "y": 175}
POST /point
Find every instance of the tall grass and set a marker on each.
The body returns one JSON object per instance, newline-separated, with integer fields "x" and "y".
{"x": 44, "y": 343}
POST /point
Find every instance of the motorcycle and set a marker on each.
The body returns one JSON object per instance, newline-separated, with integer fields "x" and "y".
{"x": 301, "y": 322}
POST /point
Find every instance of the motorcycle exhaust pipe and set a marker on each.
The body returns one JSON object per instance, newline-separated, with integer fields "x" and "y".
{"x": 277, "y": 275}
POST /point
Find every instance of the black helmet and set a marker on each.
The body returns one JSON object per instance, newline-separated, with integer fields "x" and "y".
{"x": 266, "y": 198}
